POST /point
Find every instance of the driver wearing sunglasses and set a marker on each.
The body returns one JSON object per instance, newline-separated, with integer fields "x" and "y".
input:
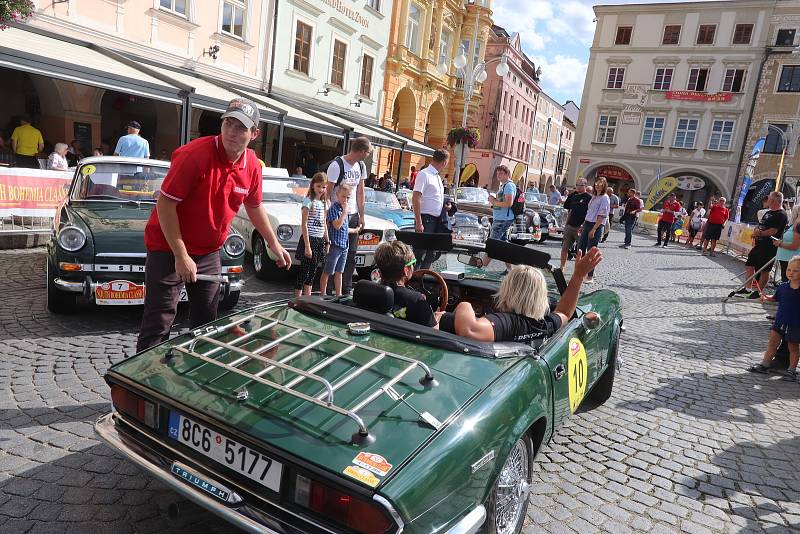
{"x": 396, "y": 262}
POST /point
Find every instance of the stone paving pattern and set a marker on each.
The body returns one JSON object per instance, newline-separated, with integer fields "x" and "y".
{"x": 689, "y": 442}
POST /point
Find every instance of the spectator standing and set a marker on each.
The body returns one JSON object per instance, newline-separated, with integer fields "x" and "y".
{"x": 502, "y": 214}
{"x": 74, "y": 153}
{"x": 576, "y": 204}
{"x": 695, "y": 221}
{"x": 773, "y": 223}
{"x": 717, "y": 215}
{"x": 298, "y": 173}
{"x": 670, "y": 208}
{"x": 133, "y": 145}
{"x": 26, "y": 143}
{"x": 371, "y": 181}
{"x": 313, "y": 234}
{"x": 554, "y": 196}
{"x": 412, "y": 177}
{"x": 427, "y": 202}
{"x": 534, "y": 189}
{"x": 615, "y": 203}
{"x": 351, "y": 170}
{"x": 57, "y": 161}
{"x": 596, "y": 216}
{"x": 98, "y": 152}
{"x": 789, "y": 245}
{"x": 633, "y": 207}
{"x": 338, "y": 233}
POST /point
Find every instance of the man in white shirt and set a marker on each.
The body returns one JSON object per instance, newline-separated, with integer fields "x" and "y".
{"x": 427, "y": 201}
{"x": 350, "y": 169}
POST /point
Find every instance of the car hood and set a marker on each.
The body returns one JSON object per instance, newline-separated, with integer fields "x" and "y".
{"x": 305, "y": 431}
{"x": 115, "y": 226}
{"x": 401, "y": 218}
{"x": 289, "y": 213}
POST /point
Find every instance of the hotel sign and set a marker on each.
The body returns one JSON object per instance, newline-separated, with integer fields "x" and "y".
{"x": 348, "y": 12}
{"x": 698, "y": 96}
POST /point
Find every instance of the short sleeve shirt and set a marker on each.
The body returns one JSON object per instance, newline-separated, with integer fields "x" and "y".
{"x": 674, "y": 206}
{"x": 133, "y": 146}
{"x": 717, "y": 214}
{"x": 28, "y": 140}
{"x": 505, "y": 214}
{"x": 633, "y": 204}
{"x": 522, "y": 329}
{"x": 599, "y": 207}
{"x": 784, "y": 254}
{"x": 337, "y": 237}
{"x": 554, "y": 198}
{"x": 614, "y": 201}
{"x": 788, "y": 305}
{"x": 412, "y": 306}
{"x": 578, "y": 205}
{"x": 429, "y": 184}
{"x": 209, "y": 190}
{"x": 773, "y": 219}
{"x": 316, "y": 214}
{"x": 352, "y": 176}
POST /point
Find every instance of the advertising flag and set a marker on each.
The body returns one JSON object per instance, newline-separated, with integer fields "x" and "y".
{"x": 659, "y": 190}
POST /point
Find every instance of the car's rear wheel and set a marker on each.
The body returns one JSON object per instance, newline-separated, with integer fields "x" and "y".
{"x": 508, "y": 502}
{"x": 601, "y": 391}
{"x": 263, "y": 265}
{"x": 230, "y": 301}
{"x": 58, "y": 301}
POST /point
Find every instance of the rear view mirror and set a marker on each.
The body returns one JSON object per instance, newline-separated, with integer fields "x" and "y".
{"x": 591, "y": 320}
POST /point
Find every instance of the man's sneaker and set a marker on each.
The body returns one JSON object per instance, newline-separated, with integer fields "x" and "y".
{"x": 657, "y": 244}
{"x": 623, "y": 246}
{"x": 754, "y": 295}
{"x": 743, "y": 291}
{"x": 664, "y": 245}
{"x": 759, "y": 368}
{"x": 626, "y": 247}
{"x": 790, "y": 375}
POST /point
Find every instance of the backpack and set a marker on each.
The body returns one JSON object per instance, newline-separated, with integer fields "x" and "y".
{"x": 340, "y": 163}
{"x": 518, "y": 206}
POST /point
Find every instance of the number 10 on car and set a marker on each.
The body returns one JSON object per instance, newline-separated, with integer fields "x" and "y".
{"x": 576, "y": 366}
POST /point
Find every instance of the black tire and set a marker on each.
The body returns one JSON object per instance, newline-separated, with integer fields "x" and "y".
{"x": 601, "y": 391}
{"x": 510, "y": 523}
{"x": 230, "y": 301}
{"x": 264, "y": 267}
{"x": 59, "y": 302}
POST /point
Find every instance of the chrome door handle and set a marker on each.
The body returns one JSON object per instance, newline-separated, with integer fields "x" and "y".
{"x": 559, "y": 371}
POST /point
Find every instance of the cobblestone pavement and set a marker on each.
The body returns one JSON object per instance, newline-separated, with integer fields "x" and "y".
{"x": 689, "y": 442}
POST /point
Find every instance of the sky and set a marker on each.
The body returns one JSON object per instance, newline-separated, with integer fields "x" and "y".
{"x": 557, "y": 36}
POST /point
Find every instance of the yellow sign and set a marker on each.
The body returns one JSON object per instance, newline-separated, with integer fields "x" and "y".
{"x": 519, "y": 168}
{"x": 577, "y": 373}
{"x": 88, "y": 170}
{"x": 678, "y": 232}
{"x": 362, "y": 475}
{"x": 659, "y": 190}
{"x": 467, "y": 173}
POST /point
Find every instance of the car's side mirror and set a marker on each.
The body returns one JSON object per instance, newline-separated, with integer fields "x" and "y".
{"x": 591, "y": 320}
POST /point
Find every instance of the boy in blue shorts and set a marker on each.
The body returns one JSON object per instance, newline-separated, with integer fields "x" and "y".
{"x": 338, "y": 234}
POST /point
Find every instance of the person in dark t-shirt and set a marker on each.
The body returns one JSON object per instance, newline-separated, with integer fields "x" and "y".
{"x": 522, "y": 310}
{"x": 772, "y": 223}
{"x": 396, "y": 261}
{"x": 577, "y": 205}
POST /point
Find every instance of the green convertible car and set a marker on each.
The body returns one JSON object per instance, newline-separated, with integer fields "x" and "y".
{"x": 331, "y": 415}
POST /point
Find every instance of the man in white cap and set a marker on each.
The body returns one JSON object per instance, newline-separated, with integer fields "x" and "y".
{"x": 209, "y": 179}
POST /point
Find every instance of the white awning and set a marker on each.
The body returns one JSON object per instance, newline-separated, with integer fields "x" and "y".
{"x": 39, "y": 52}
{"x": 297, "y": 118}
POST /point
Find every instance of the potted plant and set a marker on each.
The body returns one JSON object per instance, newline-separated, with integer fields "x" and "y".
{"x": 15, "y": 11}
{"x": 467, "y": 136}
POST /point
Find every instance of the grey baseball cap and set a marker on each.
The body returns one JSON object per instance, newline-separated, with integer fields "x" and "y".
{"x": 243, "y": 110}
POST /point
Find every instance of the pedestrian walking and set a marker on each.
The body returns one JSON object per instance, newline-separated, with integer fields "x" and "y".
{"x": 339, "y": 234}
{"x": 133, "y": 145}
{"x": 427, "y": 201}
{"x": 57, "y": 161}
{"x": 615, "y": 203}
{"x": 695, "y": 221}
{"x": 502, "y": 214}
{"x": 772, "y": 223}
{"x": 576, "y": 204}
{"x": 596, "y": 217}
{"x": 351, "y": 170}
{"x": 670, "y": 208}
{"x": 26, "y": 143}
{"x": 633, "y": 207}
{"x": 717, "y": 215}
{"x": 209, "y": 179}
{"x": 789, "y": 245}
{"x": 314, "y": 240}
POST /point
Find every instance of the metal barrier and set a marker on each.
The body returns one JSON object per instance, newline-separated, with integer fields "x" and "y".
{"x": 25, "y": 224}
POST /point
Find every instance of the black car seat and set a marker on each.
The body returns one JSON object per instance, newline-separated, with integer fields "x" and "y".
{"x": 374, "y": 297}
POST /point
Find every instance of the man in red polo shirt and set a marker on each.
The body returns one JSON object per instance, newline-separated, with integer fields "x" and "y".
{"x": 668, "y": 210}
{"x": 208, "y": 180}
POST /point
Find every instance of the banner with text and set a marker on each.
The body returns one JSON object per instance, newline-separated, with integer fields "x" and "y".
{"x": 31, "y": 192}
{"x": 659, "y": 190}
{"x": 699, "y": 96}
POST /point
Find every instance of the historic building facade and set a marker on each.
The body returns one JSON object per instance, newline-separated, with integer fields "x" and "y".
{"x": 548, "y": 136}
{"x": 668, "y": 92}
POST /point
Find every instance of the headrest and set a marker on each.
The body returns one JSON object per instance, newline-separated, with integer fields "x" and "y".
{"x": 517, "y": 254}
{"x": 440, "y": 242}
{"x": 374, "y": 297}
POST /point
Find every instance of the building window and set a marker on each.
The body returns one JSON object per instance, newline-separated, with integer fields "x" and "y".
{"x": 705, "y": 34}
{"x": 337, "y": 65}
{"x": 790, "y": 79}
{"x": 672, "y": 34}
{"x": 302, "y": 47}
{"x": 178, "y": 6}
{"x": 721, "y": 135}
{"x": 444, "y": 47}
{"x": 375, "y": 4}
{"x": 653, "y": 131}
{"x": 734, "y": 80}
{"x": 412, "y": 31}
{"x": 698, "y": 79}
{"x": 663, "y": 79}
{"x": 616, "y": 75}
{"x": 623, "y": 35}
{"x": 516, "y": 109}
{"x": 233, "y": 18}
{"x": 785, "y": 37}
{"x": 607, "y": 129}
{"x": 742, "y": 34}
{"x": 774, "y": 141}
{"x": 367, "y": 63}
{"x": 686, "y": 133}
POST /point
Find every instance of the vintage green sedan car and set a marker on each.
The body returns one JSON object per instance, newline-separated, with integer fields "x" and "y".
{"x": 96, "y": 249}
{"x": 329, "y": 415}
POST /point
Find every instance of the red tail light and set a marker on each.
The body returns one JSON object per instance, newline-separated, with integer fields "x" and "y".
{"x": 353, "y": 512}
{"x": 135, "y": 406}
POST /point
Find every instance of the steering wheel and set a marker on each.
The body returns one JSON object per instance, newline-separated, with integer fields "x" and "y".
{"x": 443, "y": 293}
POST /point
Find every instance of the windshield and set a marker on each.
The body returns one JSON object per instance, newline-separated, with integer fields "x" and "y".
{"x": 119, "y": 181}
{"x": 466, "y": 219}
{"x": 283, "y": 189}
{"x": 382, "y": 199}
{"x": 535, "y": 197}
{"x": 472, "y": 194}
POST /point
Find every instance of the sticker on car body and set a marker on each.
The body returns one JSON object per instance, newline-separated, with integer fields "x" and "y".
{"x": 373, "y": 462}
{"x": 362, "y": 475}
{"x": 577, "y": 373}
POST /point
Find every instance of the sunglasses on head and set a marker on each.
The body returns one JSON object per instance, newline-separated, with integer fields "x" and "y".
{"x": 411, "y": 262}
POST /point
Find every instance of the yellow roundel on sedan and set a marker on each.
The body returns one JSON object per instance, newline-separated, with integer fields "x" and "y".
{"x": 576, "y": 367}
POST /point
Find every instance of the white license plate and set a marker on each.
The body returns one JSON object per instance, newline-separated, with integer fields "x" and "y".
{"x": 226, "y": 451}
{"x": 361, "y": 260}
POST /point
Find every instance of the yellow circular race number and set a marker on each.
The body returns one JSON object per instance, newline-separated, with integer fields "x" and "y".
{"x": 88, "y": 170}
{"x": 578, "y": 373}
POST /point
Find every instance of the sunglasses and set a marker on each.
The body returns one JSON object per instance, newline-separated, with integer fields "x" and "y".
{"x": 411, "y": 263}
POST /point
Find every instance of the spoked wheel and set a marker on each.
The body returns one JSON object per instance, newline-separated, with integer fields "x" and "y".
{"x": 508, "y": 502}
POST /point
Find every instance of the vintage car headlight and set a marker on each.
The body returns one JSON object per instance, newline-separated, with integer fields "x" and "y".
{"x": 71, "y": 238}
{"x": 284, "y": 232}
{"x": 485, "y": 221}
{"x": 536, "y": 220}
{"x": 234, "y": 245}
{"x": 389, "y": 235}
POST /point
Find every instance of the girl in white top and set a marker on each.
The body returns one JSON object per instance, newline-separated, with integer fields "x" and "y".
{"x": 313, "y": 244}
{"x": 696, "y": 222}
{"x": 596, "y": 219}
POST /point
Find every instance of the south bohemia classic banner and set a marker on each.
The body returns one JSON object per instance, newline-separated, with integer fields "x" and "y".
{"x": 31, "y": 192}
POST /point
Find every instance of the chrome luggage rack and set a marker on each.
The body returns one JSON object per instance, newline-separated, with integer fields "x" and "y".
{"x": 325, "y": 399}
